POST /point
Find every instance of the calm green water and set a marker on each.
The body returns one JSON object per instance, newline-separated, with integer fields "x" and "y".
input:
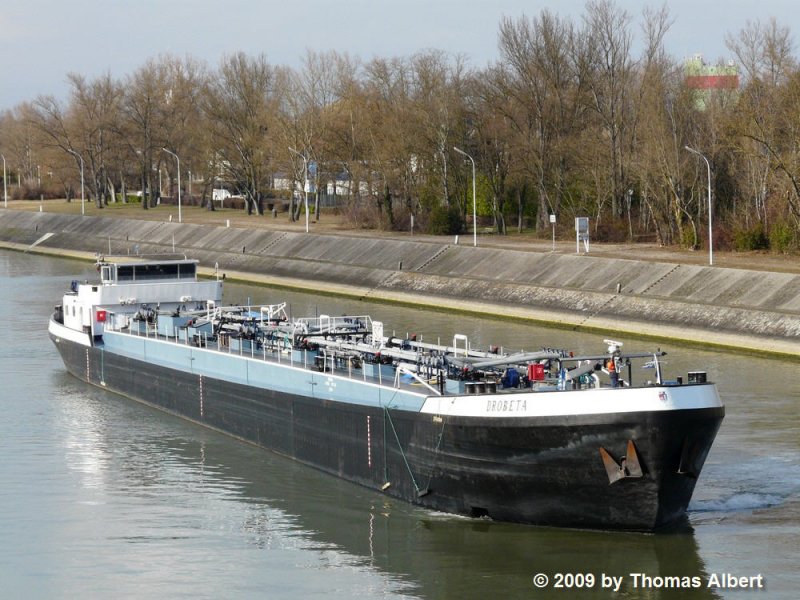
{"x": 103, "y": 498}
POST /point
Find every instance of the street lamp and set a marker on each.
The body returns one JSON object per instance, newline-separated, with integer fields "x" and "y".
{"x": 5, "y": 189}
{"x": 474, "y": 201}
{"x": 83, "y": 198}
{"x": 180, "y": 220}
{"x": 305, "y": 181}
{"x": 710, "y": 232}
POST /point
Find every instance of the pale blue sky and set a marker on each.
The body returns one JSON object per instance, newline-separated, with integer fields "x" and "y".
{"x": 43, "y": 40}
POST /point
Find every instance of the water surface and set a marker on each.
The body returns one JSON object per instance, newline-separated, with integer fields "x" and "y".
{"x": 103, "y": 497}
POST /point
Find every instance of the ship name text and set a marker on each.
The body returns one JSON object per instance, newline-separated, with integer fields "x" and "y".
{"x": 513, "y": 405}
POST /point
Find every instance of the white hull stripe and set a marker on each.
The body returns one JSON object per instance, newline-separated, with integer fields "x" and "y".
{"x": 579, "y": 402}
{"x": 60, "y": 331}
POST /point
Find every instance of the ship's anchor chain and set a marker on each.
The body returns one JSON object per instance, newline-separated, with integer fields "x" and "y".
{"x": 420, "y": 491}
{"x": 629, "y": 466}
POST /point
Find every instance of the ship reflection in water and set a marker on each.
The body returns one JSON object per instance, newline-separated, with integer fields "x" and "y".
{"x": 177, "y": 485}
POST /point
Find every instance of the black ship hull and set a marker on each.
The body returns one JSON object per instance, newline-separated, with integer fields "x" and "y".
{"x": 538, "y": 470}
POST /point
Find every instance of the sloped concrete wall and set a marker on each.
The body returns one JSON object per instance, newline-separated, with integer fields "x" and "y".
{"x": 718, "y": 305}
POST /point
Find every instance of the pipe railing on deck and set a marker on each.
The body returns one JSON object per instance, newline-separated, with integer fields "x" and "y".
{"x": 270, "y": 352}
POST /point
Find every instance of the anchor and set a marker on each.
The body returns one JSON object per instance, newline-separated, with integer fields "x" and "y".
{"x": 629, "y": 465}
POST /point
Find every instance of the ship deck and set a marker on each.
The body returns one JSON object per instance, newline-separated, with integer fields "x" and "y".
{"x": 330, "y": 362}
{"x": 323, "y": 363}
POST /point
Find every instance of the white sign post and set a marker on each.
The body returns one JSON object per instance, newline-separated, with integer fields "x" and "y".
{"x": 553, "y": 223}
{"x": 581, "y": 234}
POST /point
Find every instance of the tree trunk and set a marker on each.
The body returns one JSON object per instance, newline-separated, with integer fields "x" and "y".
{"x": 259, "y": 203}
{"x": 298, "y": 207}
{"x": 387, "y": 200}
{"x": 145, "y": 191}
{"x": 541, "y": 217}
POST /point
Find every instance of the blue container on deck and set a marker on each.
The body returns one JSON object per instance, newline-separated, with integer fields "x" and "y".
{"x": 372, "y": 370}
{"x": 169, "y": 324}
{"x": 454, "y": 386}
{"x": 199, "y": 328}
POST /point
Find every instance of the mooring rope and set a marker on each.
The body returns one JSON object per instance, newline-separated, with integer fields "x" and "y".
{"x": 399, "y": 445}
{"x": 436, "y": 453}
{"x": 420, "y": 491}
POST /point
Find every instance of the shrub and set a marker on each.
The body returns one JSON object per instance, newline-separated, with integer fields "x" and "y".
{"x": 781, "y": 237}
{"x": 361, "y": 213}
{"x": 445, "y": 220}
{"x": 723, "y": 237}
{"x": 753, "y": 238}
{"x": 612, "y": 231}
{"x": 688, "y": 237}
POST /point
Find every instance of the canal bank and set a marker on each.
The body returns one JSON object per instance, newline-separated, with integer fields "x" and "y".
{"x": 744, "y": 309}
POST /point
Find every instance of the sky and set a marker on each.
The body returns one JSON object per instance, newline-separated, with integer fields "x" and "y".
{"x": 41, "y": 41}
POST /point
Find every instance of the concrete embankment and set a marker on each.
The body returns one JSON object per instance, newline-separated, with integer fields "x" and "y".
{"x": 738, "y": 308}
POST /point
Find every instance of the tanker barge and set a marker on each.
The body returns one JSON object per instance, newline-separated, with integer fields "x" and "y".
{"x": 544, "y": 437}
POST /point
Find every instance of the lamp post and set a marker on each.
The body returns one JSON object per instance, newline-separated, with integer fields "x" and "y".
{"x": 474, "y": 199}
{"x": 180, "y": 219}
{"x": 5, "y": 189}
{"x": 83, "y": 197}
{"x": 710, "y": 231}
{"x": 305, "y": 182}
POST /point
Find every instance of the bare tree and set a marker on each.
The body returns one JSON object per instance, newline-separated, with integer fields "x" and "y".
{"x": 84, "y": 129}
{"x": 20, "y": 143}
{"x": 141, "y": 127}
{"x": 240, "y": 102}
{"x": 546, "y": 78}
{"x": 345, "y": 145}
{"x": 766, "y": 124}
{"x": 181, "y": 118}
{"x": 765, "y": 51}
{"x": 394, "y": 160}
{"x": 96, "y": 111}
{"x": 607, "y": 29}
{"x": 492, "y": 131}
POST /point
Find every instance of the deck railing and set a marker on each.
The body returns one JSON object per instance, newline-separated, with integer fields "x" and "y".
{"x": 277, "y": 351}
